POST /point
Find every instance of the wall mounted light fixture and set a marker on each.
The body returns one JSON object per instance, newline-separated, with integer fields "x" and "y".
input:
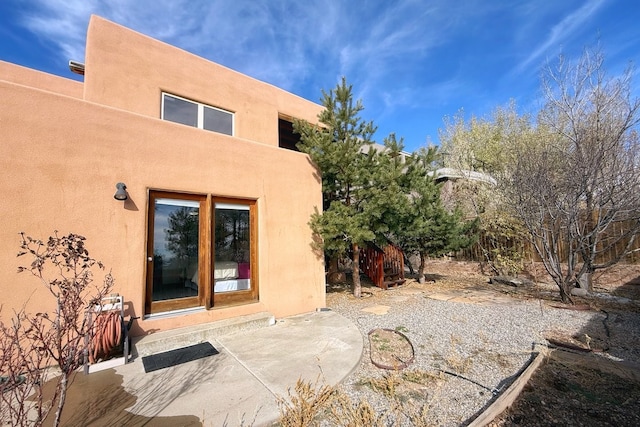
{"x": 121, "y": 193}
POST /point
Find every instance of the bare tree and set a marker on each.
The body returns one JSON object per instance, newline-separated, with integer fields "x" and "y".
{"x": 62, "y": 337}
{"x": 580, "y": 178}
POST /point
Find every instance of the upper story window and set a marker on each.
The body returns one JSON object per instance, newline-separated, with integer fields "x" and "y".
{"x": 191, "y": 113}
{"x": 287, "y": 138}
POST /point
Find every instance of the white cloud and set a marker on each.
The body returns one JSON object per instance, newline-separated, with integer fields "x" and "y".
{"x": 287, "y": 43}
{"x": 561, "y": 32}
{"x": 63, "y": 21}
{"x": 405, "y": 55}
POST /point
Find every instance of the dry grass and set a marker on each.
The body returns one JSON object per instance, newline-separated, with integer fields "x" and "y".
{"x": 387, "y": 384}
{"x": 305, "y": 404}
{"x": 344, "y": 412}
{"x": 312, "y": 404}
{"x": 420, "y": 376}
{"x": 455, "y": 361}
{"x": 498, "y": 359}
{"x": 458, "y": 364}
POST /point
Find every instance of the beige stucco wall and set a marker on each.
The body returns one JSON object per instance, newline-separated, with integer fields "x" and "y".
{"x": 61, "y": 157}
{"x": 128, "y": 70}
{"x": 36, "y": 79}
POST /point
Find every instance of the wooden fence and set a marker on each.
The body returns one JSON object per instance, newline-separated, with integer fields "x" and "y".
{"x": 526, "y": 249}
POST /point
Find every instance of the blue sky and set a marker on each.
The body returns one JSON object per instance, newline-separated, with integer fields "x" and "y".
{"x": 411, "y": 62}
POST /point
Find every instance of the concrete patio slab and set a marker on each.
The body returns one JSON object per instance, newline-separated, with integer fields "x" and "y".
{"x": 241, "y": 384}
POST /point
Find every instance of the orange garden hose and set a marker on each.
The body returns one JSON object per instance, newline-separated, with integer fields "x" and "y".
{"x": 107, "y": 333}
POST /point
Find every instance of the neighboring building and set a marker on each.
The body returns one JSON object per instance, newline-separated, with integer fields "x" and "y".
{"x": 451, "y": 174}
{"x": 215, "y": 224}
{"x": 451, "y": 179}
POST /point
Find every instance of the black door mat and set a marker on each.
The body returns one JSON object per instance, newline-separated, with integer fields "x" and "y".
{"x": 178, "y": 356}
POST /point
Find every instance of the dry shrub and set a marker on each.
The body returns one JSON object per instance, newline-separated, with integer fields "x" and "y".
{"x": 346, "y": 413}
{"x": 387, "y": 384}
{"x": 458, "y": 363}
{"x": 59, "y": 337}
{"x": 418, "y": 416}
{"x": 304, "y": 405}
{"x": 420, "y": 376}
{"x": 314, "y": 405}
{"x": 22, "y": 375}
{"x": 455, "y": 361}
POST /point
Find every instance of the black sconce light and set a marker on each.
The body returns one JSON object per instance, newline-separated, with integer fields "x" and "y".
{"x": 121, "y": 193}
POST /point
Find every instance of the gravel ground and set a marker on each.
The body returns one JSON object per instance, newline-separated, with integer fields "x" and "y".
{"x": 484, "y": 344}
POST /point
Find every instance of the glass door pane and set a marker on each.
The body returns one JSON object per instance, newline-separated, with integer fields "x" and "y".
{"x": 232, "y": 248}
{"x": 175, "y": 249}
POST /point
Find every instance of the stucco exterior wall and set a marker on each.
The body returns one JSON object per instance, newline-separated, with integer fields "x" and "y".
{"x": 61, "y": 158}
{"x": 36, "y": 79}
{"x": 128, "y": 70}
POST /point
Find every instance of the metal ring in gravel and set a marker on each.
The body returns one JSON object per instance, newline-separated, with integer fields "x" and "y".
{"x": 390, "y": 349}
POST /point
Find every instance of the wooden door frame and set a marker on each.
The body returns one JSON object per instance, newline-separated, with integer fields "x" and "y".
{"x": 153, "y": 307}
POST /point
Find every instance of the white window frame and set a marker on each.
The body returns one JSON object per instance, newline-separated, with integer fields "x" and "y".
{"x": 200, "y": 118}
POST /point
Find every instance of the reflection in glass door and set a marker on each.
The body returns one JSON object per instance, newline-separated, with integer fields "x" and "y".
{"x": 232, "y": 248}
{"x": 175, "y": 243}
{"x": 201, "y": 252}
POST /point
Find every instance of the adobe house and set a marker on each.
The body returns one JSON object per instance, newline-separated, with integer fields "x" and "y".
{"x": 212, "y": 221}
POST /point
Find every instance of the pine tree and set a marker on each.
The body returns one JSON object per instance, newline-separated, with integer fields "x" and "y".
{"x": 340, "y": 148}
{"x": 428, "y": 228}
{"x": 372, "y": 196}
{"x": 386, "y": 198}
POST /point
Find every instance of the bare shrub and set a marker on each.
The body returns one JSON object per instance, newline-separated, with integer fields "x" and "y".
{"x": 34, "y": 342}
{"x": 304, "y": 404}
{"x": 387, "y": 384}
{"x": 345, "y": 412}
{"x": 22, "y": 376}
{"x": 313, "y": 404}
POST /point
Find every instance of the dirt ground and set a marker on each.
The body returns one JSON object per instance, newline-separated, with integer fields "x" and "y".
{"x": 572, "y": 389}
{"x": 574, "y": 386}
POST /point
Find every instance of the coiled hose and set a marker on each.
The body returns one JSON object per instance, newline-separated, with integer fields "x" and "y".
{"x": 107, "y": 334}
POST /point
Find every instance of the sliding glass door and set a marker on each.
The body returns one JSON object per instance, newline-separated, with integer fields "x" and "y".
{"x": 233, "y": 249}
{"x": 201, "y": 252}
{"x": 174, "y": 253}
